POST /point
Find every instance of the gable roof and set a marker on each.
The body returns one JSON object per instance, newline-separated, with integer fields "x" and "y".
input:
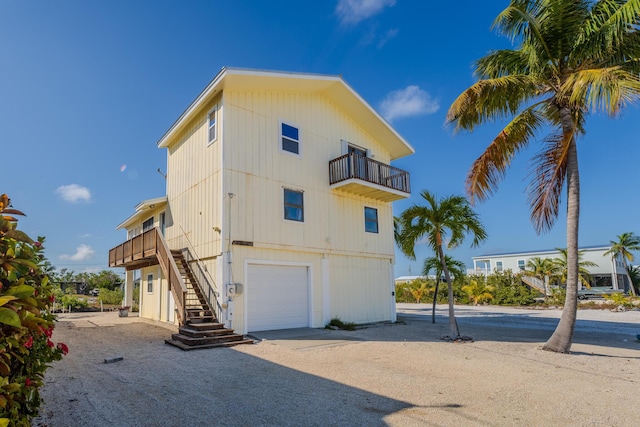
{"x": 333, "y": 87}
{"x": 142, "y": 210}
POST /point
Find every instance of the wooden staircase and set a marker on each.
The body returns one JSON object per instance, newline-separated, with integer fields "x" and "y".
{"x": 201, "y": 329}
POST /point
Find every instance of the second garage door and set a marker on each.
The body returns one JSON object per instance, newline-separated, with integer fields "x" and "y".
{"x": 277, "y": 297}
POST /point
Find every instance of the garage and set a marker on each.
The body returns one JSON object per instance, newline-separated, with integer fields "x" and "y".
{"x": 277, "y": 297}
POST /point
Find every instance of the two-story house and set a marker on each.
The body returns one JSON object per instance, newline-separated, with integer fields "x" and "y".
{"x": 278, "y": 199}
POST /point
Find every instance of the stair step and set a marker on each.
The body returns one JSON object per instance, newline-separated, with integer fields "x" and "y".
{"x": 191, "y": 341}
{"x": 201, "y": 333}
{"x": 185, "y": 347}
{"x": 204, "y": 326}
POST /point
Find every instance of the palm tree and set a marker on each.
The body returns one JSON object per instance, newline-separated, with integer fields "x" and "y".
{"x": 479, "y": 291}
{"x": 626, "y": 243}
{"x": 449, "y": 218}
{"x": 433, "y": 263}
{"x": 574, "y": 57}
{"x": 634, "y": 276}
{"x": 543, "y": 269}
{"x": 562, "y": 267}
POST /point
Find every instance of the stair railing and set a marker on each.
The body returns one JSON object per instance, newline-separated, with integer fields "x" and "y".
{"x": 203, "y": 277}
{"x": 534, "y": 282}
{"x": 174, "y": 278}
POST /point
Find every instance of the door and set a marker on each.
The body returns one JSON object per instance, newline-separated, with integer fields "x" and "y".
{"x": 277, "y": 297}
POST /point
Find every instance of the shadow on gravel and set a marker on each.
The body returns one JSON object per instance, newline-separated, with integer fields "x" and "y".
{"x": 156, "y": 384}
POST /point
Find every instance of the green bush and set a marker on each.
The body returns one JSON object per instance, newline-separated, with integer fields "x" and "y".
{"x": 111, "y": 296}
{"x": 72, "y": 301}
{"x": 558, "y": 296}
{"x": 26, "y": 321}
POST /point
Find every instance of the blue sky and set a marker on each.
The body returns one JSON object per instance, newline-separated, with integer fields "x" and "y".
{"x": 88, "y": 87}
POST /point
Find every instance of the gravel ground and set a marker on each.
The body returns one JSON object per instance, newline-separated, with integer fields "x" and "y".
{"x": 384, "y": 375}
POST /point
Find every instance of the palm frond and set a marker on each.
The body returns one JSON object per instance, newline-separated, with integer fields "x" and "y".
{"x": 547, "y": 181}
{"x": 490, "y": 168}
{"x": 492, "y": 99}
{"x": 603, "y": 89}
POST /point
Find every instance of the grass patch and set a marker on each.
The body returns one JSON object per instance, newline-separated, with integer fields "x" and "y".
{"x": 337, "y": 323}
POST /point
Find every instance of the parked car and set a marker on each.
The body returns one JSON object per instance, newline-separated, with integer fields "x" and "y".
{"x": 597, "y": 292}
{"x": 94, "y": 292}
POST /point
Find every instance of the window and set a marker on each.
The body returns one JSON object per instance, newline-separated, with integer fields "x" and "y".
{"x": 290, "y": 139}
{"x": 498, "y": 265}
{"x": 213, "y": 134}
{"x": 521, "y": 264}
{"x": 147, "y": 225}
{"x": 293, "y": 205}
{"x": 150, "y": 283}
{"x": 370, "y": 220}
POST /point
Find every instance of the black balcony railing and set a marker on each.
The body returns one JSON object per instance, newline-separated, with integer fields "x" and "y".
{"x": 355, "y": 166}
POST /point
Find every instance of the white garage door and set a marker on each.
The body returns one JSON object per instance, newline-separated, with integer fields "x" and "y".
{"x": 277, "y": 297}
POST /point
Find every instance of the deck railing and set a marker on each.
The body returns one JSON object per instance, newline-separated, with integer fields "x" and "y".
{"x": 356, "y": 166}
{"x": 151, "y": 244}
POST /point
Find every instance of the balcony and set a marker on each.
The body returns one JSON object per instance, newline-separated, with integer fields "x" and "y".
{"x": 138, "y": 252}
{"x": 367, "y": 177}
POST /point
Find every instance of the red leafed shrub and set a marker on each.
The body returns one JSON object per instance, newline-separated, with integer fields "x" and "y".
{"x": 26, "y": 321}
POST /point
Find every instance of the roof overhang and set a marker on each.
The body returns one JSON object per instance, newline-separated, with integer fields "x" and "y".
{"x": 333, "y": 87}
{"x": 142, "y": 210}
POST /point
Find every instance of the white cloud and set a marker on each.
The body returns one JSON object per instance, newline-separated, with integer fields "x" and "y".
{"x": 407, "y": 102}
{"x": 354, "y": 11}
{"x": 391, "y": 33}
{"x": 82, "y": 253}
{"x": 85, "y": 236}
{"x": 74, "y": 192}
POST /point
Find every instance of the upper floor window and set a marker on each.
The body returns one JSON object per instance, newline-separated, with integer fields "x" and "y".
{"x": 370, "y": 220}
{"x": 293, "y": 205}
{"x": 521, "y": 264}
{"x": 147, "y": 225}
{"x": 213, "y": 128}
{"x": 498, "y": 265}
{"x": 290, "y": 138}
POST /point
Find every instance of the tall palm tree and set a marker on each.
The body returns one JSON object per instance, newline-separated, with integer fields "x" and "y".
{"x": 449, "y": 218}
{"x": 626, "y": 243}
{"x": 574, "y": 57}
{"x": 562, "y": 267}
{"x": 542, "y": 268}
{"x": 433, "y": 263}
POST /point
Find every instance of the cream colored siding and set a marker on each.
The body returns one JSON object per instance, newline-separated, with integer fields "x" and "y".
{"x": 194, "y": 184}
{"x": 349, "y": 270}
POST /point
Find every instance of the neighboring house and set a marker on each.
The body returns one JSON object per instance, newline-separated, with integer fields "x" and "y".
{"x": 278, "y": 202}
{"x": 608, "y": 272}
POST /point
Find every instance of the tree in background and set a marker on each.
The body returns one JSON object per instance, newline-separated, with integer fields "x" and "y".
{"x": 433, "y": 263}
{"x": 573, "y": 58}
{"x": 541, "y": 268}
{"x": 562, "y": 267}
{"x": 626, "y": 243}
{"x": 449, "y": 218}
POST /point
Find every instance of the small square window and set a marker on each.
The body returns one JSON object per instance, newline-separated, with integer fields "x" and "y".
{"x": 521, "y": 264}
{"x": 213, "y": 134}
{"x": 290, "y": 139}
{"x": 370, "y": 220}
{"x": 150, "y": 283}
{"x": 293, "y": 205}
{"x": 498, "y": 265}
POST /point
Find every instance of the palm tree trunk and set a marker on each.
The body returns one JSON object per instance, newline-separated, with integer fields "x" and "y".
{"x": 453, "y": 325}
{"x": 435, "y": 298}
{"x": 562, "y": 337}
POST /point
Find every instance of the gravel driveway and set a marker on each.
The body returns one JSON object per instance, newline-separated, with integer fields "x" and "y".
{"x": 395, "y": 375}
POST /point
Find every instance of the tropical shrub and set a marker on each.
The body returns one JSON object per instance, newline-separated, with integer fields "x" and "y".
{"x": 478, "y": 291}
{"x": 72, "y": 301}
{"x": 619, "y": 299}
{"x": 558, "y": 296}
{"x": 26, "y": 321}
{"x": 108, "y": 296}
